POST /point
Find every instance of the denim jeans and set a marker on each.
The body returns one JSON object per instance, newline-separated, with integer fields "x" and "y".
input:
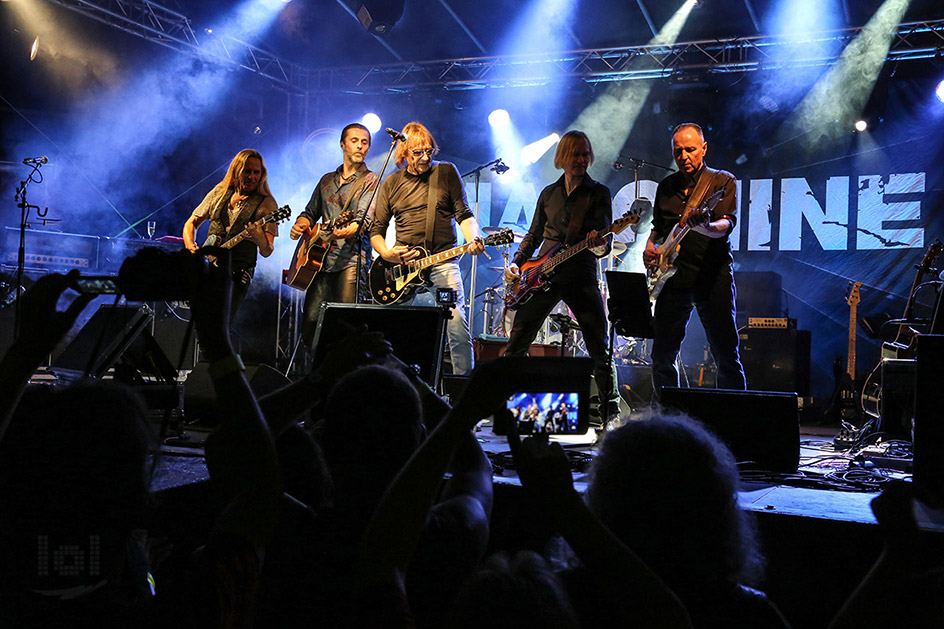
{"x": 458, "y": 337}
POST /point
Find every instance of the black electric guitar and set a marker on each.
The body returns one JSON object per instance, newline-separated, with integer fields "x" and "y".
{"x": 533, "y": 276}
{"x": 390, "y": 282}
{"x": 277, "y": 216}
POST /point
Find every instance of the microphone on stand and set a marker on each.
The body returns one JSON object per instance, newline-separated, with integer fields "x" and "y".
{"x": 500, "y": 167}
{"x": 396, "y": 135}
{"x": 42, "y": 159}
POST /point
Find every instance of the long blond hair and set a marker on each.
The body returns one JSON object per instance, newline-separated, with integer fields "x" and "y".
{"x": 414, "y": 131}
{"x": 235, "y": 172}
{"x": 568, "y": 144}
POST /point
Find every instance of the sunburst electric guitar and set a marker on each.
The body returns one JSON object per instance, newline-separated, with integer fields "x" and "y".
{"x": 534, "y": 274}
{"x": 664, "y": 268}
{"x": 390, "y": 282}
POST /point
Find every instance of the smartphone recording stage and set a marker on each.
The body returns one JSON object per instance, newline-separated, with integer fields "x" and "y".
{"x": 388, "y": 312}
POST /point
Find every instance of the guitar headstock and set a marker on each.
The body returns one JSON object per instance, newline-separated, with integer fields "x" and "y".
{"x": 930, "y": 256}
{"x": 627, "y": 219}
{"x": 501, "y": 237}
{"x": 279, "y": 215}
{"x": 852, "y": 298}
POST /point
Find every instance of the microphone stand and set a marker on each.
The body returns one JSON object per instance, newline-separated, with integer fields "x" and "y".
{"x": 25, "y": 207}
{"x": 477, "y": 171}
{"x": 364, "y": 224}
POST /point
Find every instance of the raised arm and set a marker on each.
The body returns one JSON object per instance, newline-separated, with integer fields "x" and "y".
{"x": 42, "y": 327}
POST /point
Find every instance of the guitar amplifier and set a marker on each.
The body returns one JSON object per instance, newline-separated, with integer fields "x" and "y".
{"x": 53, "y": 250}
{"x": 776, "y": 359}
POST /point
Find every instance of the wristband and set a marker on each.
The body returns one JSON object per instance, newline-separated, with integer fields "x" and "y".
{"x": 226, "y": 366}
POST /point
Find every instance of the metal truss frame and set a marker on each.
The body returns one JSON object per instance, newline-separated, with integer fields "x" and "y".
{"x": 168, "y": 28}
{"x": 151, "y": 21}
{"x": 914, "y": 40}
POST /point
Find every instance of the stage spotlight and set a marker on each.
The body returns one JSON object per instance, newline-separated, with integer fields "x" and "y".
{"x": 372, "y": 122}
{"x": 379, "y": 16}
{"x": 939, "y": 92}
{"x": 861, "y": 125}
{"x": 533, "y": 152}
{"x": 499, "y": 118}
{"x": 34, "y": 49}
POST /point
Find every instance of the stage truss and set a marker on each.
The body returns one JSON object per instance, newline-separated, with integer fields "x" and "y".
{"x": 153, "y": 22}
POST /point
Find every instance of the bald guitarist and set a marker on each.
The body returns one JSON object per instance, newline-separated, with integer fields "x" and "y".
{"x": 703, "y": 278}
{"x": 344, "y": 193}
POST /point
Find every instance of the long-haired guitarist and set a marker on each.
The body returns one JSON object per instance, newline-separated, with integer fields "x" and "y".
{"x": 703, "y": 278}
{"x": 235, "y": 205}
{"x": 346, "y": 191}
{"x": 405, "y": 198}
{"x": 571, "y": 210}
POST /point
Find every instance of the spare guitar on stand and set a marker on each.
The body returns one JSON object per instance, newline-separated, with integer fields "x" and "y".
{"x": 845, "y": 402}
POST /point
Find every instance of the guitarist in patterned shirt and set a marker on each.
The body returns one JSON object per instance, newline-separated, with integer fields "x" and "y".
{"x": 236, "y": 205}
{"x": 348, "y": 188}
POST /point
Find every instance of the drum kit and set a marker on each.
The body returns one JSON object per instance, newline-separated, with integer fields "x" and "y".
{"x": 560, "y": 327}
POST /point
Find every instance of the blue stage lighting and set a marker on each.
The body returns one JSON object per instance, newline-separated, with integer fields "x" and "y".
{"x": 499, "y": 118}
{"x": 939, "y": 92}
{"x": 372, "y": 122}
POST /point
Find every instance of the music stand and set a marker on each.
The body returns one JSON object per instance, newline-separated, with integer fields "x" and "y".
{"x": 630, "y": 315}
{"x": 629, "y": 305}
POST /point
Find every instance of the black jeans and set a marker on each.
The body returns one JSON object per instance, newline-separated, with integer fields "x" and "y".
{"x": 713, "y": 296}
{"x": 575, "y": 283}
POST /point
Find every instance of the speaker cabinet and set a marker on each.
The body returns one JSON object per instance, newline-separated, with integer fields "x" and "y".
{"x": 776, "y": 359}
{"x": 761, "y": 427}
{"x": 416, "y": 333}
{"x": 928, "y": 425}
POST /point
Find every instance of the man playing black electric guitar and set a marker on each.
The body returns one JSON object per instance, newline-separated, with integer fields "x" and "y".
{"x": 426, "y": 200}
{"x": 349, "y": 190}
{"x": 703, "y": 277}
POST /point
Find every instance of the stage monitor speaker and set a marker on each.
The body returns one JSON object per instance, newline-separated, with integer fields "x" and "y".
{"x": 200, "y": 396}
{"x": 776, "y": 359}
{"x": 758, "y": 426}
{"x": 101, "y": 341}
{"x": 416, "y": 333}
{"x": 928, "y": 462}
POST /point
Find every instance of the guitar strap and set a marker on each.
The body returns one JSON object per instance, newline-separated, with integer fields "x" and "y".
{"x": 431, "y": 200}
{"x": 701, "y": 188}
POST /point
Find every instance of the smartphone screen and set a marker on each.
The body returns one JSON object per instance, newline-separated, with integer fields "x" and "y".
{"x": 553, "y": 413}
{"x": 97, "y": 285}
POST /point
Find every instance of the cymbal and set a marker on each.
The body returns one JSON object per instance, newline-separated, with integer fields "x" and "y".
{"x": 618, "y": 247}
{"x": 488, "y": 231}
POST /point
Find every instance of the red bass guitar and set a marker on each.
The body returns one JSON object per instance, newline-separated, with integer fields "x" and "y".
{"x": 534, "y": 273}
